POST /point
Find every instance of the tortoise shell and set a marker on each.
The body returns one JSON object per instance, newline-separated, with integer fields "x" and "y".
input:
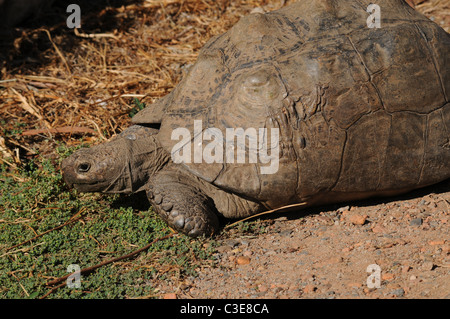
{"x": 360, "y": 111}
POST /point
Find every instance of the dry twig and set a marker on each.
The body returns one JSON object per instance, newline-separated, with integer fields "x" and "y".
{"x": 70, "y": 221}
{"x": 92, "y": 268}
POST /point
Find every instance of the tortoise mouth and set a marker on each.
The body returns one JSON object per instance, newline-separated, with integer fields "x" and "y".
{"x": 88, "y": 186}
{"x": 73, "y": 180}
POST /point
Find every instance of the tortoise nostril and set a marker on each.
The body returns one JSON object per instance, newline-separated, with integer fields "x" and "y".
{"x": 84, "y": 167}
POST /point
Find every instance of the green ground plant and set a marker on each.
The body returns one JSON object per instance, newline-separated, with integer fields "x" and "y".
{"x": 34, "y": 200}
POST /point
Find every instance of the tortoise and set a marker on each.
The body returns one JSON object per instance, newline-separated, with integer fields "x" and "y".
{"x": 342, "y": 111}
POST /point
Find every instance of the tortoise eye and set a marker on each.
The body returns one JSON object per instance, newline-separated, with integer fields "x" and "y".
{"x": 84, "y": 167}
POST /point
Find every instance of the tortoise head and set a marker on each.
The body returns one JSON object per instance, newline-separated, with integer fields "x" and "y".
{"x": 122, "y": 165}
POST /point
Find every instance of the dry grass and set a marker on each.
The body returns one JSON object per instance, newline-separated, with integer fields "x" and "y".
{"x": 57, "y": 84}
{"x": 88, "y": 79}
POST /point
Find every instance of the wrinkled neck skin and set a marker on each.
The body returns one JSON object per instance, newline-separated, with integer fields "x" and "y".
{"x": 142, "y": 158}
{"x": 123, "y": 165}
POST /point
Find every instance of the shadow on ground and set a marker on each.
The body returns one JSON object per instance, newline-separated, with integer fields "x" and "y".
{"x": 442, "y": 187}
{"x": 137, "y": 201}
{"x": 23, "y": 46}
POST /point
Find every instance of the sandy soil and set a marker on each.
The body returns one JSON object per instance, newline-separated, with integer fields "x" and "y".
{"x": 326, "y": 252}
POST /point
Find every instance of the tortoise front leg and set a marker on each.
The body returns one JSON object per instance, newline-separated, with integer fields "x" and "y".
{"x": 181, "y": 204}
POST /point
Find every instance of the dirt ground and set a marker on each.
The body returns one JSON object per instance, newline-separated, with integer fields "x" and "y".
{"x": 61, "y": 86}
{"x": 326, "y": 252}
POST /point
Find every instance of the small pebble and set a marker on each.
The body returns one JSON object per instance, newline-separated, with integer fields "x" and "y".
{"x": 377, "y": 229}
{"x": 358, "y": 219}
{"x": 387, "y": 276}
{"x": 415, "y": 222}
{"x": 243, "y": 260}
